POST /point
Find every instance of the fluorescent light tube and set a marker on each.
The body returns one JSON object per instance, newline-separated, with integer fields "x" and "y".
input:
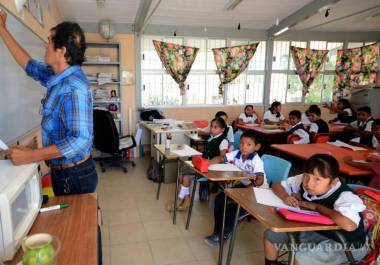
{"x": 281, "y": 31}
{"x": 231, "y": 4}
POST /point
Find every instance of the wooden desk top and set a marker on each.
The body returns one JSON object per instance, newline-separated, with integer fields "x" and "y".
{"x": 259, "y": 128}
{"x": 268, "y": 216}
{"x": 336, "y": 128}
{"x": 168, "y": 154}
{"x": 221, "y": 175}
{"x": 76, "y": 227}
{"x": 160, "y": 128}
{"x": 305, "y": 151}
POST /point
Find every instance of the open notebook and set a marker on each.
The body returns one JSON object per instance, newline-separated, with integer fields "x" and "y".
{"x": 345, "y": 145}
{"x": 267, "y": 197}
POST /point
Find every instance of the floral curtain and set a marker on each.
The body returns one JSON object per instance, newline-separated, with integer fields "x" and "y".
{"x": 177, "y": 60}
{"x": 231, "y": 61}
{"x": 354, "y": 68}
{"x": 308, "y": 64}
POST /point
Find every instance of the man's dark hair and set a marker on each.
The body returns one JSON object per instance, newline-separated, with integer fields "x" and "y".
{"x": 220, "y": 114}
{"x": 365, "y": 109}
{"x": 295, "y": 113}
{"x": 314, "y": 109}
{"x": 326, "y": 165}
{"x": 251, "y": 135}
{"x": 70, "y": 35}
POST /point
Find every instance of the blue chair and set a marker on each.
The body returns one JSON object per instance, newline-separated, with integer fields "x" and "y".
{"x": 237, "y": 139}
{"x": 276, "y": 169}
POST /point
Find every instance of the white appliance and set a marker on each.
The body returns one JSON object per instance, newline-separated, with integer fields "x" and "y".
{"x": 20, "y": 201}
{"x": 366, "y": 97}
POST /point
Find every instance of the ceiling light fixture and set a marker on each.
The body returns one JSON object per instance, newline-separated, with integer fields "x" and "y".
{"x": 231, "y": 4}
{"x": 278, "y": 33}
{"x": 100, "y": 3}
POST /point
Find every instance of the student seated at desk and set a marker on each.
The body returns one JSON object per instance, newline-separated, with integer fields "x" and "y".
{"x": 345, "y": 113}
{"x": 273, "y": 114}
{"x": 230, "y": 130}
{"x": 249, "y": 116}
{"x": 247, "y": 159}
{"x": 370, "y": 140}
{"x": 296, "y": 127}
{"x": 320, "y": 189}
{"x": 216, "y": 145}
{"x": 318, "y": 125}
{"x": 363, "y": 124}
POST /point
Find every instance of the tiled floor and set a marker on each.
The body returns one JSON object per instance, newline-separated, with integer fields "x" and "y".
{"x": 137, "y": 230}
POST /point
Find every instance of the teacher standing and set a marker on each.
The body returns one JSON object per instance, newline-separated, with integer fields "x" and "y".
{"x": 67, "y": 125}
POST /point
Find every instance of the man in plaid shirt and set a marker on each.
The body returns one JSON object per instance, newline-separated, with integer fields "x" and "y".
{"x": 67, "y": 125}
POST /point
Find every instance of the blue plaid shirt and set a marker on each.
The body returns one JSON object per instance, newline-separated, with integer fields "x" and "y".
{"x": 66, "y": 111}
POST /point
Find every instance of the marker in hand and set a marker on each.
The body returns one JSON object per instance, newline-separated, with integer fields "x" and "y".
{"x": 55, "y": 207}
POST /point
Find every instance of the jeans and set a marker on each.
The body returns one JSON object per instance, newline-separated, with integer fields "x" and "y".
{"x": 230, "y": 214}
{"x": 75, "y": 180}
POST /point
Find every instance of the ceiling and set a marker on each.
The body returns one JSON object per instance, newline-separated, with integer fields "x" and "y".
{"x": 251, "y": 14}
{"x": 364, "y": 21}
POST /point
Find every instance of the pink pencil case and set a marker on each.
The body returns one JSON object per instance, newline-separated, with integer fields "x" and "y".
{"x": 306, "y": 218}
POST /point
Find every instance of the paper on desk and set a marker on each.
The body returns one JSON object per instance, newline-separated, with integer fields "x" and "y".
{"x": 186, "y": 151}
{"x": 3, "y": 146}
{"x": 223, "y": 167}
{"x": 342, "y": 144}
{"x": 267, "y": 197}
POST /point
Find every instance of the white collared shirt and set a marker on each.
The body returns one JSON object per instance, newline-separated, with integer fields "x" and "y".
{"x": 223, "y": 145}
{"x": 349, "y": 111}
{"x": 375, "y": 142}
{"x": 246, "y": 119}
{"x": 252, "y": 165}
{"x": 304, "y": 136}
{"x": 230, "y": 133}
{"x": 268, "y": 115}
{"x": 368, "y": 124}
{"x": 305, "y": 120}
{"x": 347, "y": 204}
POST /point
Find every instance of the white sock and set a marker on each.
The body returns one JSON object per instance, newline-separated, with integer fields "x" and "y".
{"x": 183, "y": 192}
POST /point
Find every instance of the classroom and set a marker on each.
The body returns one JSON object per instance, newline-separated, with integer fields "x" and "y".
{"x": 173, "y": 132}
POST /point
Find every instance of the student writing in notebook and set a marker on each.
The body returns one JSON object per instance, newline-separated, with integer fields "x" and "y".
{"x": 320, "y": 189}
{"x": 247, "y": 159}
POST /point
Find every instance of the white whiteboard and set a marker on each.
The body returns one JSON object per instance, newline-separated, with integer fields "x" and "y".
{"x": 20, "y": 95}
